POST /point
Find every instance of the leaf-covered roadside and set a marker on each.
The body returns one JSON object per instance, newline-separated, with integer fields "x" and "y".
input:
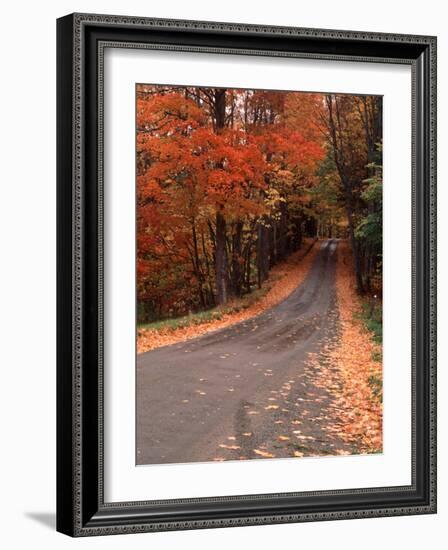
{"x": 284, "y": 279}
{"x": 354, "y": 371}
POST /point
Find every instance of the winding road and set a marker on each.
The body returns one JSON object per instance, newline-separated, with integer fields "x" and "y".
{"x": 232, "y": 393}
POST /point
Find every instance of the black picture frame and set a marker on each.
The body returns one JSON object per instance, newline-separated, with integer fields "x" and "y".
{"x": 81, "y": 510}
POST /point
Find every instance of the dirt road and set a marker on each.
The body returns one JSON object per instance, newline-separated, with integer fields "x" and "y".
{"x": 244, "y": 391}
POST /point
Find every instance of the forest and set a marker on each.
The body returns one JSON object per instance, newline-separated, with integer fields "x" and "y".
{"x": 230, "y": 182}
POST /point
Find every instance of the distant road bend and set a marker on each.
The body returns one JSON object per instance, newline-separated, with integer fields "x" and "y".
{"x": 219, "y": 396}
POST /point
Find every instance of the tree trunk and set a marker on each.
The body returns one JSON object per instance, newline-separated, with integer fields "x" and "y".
{"x": 247, "y": 267}
{"x": 221, "y": 268}
{"x": 222, "y": 293}
{"x": 272, "y": 243}
{"x": 282, "y": 233}
{"x": 237, "y": 274}
{"x": 197, "y": 265}
{"x": 220, "y": 108}
{"x": 211, "y": 298}
{"x": 355, "y": 249}
{"x": 262, "y": 253}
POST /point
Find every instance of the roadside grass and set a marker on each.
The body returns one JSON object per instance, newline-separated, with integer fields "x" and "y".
{"x": 213, "y": 314}
{"x": 372, "y": 316}
{"x": 376, "y": 385}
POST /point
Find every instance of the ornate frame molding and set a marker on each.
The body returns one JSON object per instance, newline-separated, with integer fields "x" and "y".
{"x": 83, "y": 512}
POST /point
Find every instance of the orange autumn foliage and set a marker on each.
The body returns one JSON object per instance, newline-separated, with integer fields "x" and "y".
{"x": 243, "y": 164}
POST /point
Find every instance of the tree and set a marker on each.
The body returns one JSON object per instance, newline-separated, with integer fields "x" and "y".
{"x": 352, "y": 125}
{"x": 230, "y": 181}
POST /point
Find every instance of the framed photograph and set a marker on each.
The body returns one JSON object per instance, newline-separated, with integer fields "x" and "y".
{"x": 246, "y": 274}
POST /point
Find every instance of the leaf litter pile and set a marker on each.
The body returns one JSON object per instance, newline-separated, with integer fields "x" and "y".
{"x": 283, "y": 280}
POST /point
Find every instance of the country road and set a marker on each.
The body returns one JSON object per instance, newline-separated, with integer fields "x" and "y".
{"x": 245, "y": 391}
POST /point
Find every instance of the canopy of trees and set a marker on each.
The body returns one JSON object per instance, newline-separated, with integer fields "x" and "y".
{"x": 230, "y": 181}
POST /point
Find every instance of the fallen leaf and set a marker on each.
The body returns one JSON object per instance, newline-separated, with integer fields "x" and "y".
{"x": 265, "y": 454}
